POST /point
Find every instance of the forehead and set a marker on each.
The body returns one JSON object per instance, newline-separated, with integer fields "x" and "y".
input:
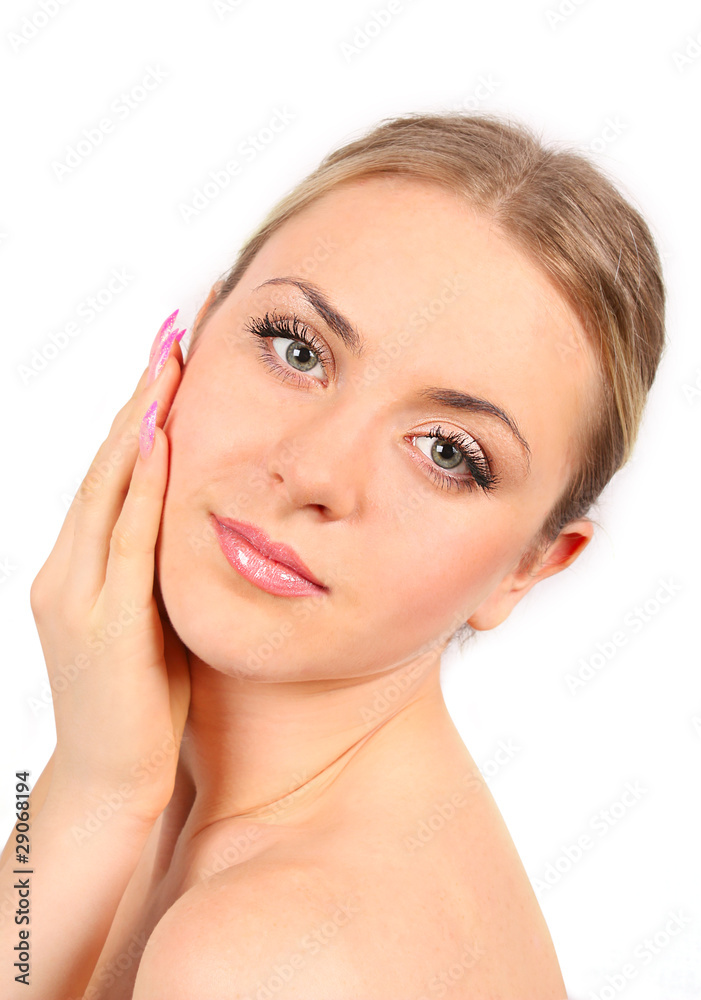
{"x": 410, "y": 263}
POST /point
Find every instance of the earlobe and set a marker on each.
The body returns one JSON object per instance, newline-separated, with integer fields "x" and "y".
{"x": 560, "y": 554}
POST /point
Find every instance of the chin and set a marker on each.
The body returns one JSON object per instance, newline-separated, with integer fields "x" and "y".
{"x": 217, "y": 615}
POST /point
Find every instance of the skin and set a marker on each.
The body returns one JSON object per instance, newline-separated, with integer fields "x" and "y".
{"x": 282, "y": 736}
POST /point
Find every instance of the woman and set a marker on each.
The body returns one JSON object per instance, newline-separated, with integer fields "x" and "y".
{"x": 397, "y": 410}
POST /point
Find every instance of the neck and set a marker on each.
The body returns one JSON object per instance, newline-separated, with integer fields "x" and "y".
{"x": 270, "y": 751}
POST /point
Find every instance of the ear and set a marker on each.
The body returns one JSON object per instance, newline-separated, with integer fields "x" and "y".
{"x": 561, "y": 552}
{"x": 205, "y": 306}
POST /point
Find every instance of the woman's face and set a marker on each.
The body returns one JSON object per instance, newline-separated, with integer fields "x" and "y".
{"x": 339, "y": 456}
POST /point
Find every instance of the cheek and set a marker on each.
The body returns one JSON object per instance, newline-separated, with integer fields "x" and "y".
{"x": 218, "y": 454}
{"x": 429, "y": 566}
{"x": 211, "y": 414}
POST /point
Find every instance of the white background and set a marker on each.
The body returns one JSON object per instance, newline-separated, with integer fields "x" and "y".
{"x": 602, "y": 76}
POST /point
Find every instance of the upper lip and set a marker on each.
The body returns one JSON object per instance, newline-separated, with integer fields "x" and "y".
{"x": 272, "y": 550}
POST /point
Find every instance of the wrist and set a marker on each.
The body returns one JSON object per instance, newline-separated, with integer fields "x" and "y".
{"x": 89, "y": 811}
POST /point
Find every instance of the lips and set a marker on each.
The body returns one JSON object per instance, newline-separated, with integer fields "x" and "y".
{"x": 278, "y": 551}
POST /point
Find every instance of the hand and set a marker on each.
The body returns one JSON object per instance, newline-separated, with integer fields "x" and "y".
{"x": 119, "y": 674}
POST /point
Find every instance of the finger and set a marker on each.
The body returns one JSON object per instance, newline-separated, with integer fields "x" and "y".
{"x": 99, "y": 512}
{"x": 120, "y": 422}
{"x": 57, "y": 564}
{"x": 131, "y": 561}
{"x": 177, "y": 664}
{"x": 57, "y": 567}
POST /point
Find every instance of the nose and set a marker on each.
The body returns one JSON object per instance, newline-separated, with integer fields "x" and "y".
{"x": 321, "y": 456}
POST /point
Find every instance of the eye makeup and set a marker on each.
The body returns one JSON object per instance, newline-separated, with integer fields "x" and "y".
{"x": 289, "y": 328}
{"x": 453, "y": 447}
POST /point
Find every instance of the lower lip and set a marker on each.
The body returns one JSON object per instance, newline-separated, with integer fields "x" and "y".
{"x": 263, "y": 572}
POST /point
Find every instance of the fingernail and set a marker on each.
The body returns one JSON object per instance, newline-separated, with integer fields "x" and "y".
{"x": 161, "y": 356}
{"x": 148, "y": 430}
{"x": 167, "y": 325}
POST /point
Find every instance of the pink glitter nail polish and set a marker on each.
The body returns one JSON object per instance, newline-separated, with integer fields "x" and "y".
{"x": 148, "y": 430}
{"x": 165, "y": 328}
{"x": 161, "y": 356}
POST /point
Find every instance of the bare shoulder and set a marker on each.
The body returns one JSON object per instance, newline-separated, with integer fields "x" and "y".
{"x": 456, "y": 916}
{"x": 279, "y": 926}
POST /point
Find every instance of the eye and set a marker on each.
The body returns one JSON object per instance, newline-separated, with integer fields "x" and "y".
{"x": 451, "y": 451}
{"x": 292, "y": 342}
{"x": 297, "y": 354}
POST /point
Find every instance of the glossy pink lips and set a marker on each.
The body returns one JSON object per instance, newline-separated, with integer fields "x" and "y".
{"x": 254, "y": 558}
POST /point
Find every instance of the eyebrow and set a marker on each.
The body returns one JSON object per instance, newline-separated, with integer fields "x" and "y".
{"x": 349, "y": 336}
{"x": 341, "y": 326}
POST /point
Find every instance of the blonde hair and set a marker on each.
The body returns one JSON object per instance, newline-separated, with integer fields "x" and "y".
{"x": 568, "y": 218}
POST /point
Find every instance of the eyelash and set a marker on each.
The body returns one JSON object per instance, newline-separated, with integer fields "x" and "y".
{"x": 271, "y": 326}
